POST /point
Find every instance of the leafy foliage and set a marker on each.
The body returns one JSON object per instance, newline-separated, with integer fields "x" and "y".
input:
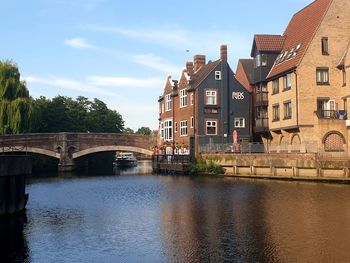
{"x": 17, "y": 109}
{"x": 201, "y": 166}
{"x": 144, "y": 131}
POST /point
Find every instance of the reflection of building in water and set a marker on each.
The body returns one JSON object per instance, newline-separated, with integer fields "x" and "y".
{"x": 309, "y": 222}
{"x": 13, "y": 243}
{"x": 212, "y": 222}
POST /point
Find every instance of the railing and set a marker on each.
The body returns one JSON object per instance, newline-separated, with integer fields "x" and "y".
{"x": 332, "y": 114}
{"x": 252, "y": 147}
{"x": 171, "y": 158}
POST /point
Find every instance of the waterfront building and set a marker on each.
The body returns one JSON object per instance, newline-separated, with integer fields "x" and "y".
{"x": 207, "y": 104}
{"x": 307, "y": 85}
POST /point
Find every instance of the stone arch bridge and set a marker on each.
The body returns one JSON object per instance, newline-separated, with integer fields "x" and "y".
{"x": 67, "y": 147}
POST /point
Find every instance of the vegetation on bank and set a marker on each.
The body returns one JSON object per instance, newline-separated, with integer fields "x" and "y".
{"x": 201, "y": 166}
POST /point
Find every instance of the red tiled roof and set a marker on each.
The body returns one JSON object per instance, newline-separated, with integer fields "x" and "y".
{"x": 269, "y": 42}
{"x": 300, "y": 30}
{"x": 244, "y": 72}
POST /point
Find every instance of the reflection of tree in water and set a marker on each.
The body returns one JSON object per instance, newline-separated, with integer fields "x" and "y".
{"x": 13, "y": 244}
{"x": 215, "y": 222}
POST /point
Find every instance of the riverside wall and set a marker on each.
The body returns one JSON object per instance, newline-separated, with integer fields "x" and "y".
{"x": 298, "y": 166}
{"x": 13, "y": 172}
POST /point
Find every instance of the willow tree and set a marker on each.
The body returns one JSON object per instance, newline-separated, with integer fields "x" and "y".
{"x": 17, "y": 110}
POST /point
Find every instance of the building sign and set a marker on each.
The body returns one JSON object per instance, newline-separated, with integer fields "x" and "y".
{"x": 237, "y": 95}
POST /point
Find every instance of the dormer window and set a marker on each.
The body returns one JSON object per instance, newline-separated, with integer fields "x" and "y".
{"x": 257, "y": 61}
{"x": 324, "y": 45}
{"x": 217, "y": 75}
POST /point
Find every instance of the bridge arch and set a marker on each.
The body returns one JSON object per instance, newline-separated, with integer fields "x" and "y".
{"x": 33, "y": 150}
{"x": 111, "y": 148}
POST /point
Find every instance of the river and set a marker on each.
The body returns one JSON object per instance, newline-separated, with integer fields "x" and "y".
{"x": 132, "y": 217}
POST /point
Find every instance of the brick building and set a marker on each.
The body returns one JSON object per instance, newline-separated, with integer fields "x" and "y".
{"x": 308, "y": 91}
{"x": 207, "y": 104}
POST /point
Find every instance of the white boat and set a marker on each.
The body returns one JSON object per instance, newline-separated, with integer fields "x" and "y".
{"x": 125, "y": 159}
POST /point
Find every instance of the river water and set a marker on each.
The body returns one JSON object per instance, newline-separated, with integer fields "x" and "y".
{"x": 131, "y": 217}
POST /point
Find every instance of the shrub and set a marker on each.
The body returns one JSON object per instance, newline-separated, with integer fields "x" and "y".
{"x": 200, "y": 166}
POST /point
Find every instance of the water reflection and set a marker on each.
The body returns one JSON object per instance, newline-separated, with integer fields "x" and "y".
{"x": 131, "y": 218}
{"x": 144, "y": 167}
{"x": 13, "y": 243}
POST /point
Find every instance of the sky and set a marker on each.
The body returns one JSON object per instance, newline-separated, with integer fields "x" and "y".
{"x": 122, "y": 52}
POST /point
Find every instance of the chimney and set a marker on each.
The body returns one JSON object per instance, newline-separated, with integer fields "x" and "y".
{"x": 189, "y": 67}
{"x": 223, "y": 52}
{"x": 199, "y": 60}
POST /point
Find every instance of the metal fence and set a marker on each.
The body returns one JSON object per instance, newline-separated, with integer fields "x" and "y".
{"x": 251, "y": 147}
{"x": 171, "y": 158}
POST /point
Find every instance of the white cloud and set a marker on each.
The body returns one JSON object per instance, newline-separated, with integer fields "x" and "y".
{"x": 153, "y": 61}
{"x": 125, "y": 82}
{"x": 69, "y": 84}
{"x": 78, "y": 42}
{"x": 181, "y": 39}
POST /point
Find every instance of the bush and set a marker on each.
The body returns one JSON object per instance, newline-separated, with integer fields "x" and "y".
{"x": 200, "y": 166}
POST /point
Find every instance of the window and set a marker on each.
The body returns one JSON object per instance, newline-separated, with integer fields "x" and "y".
{"x": 217, "y": 75}
{"x": 191, "y": 99}
{"x": 276, "y": 112}
{"x": 257, "y": 61}
{"x": 239, "y": 122}
{"x": 287, "y": 81}
{"x": 287, "y": 106}
{"x": 183, "y": 98}
{"x": 161, "y": 127}
{"x": 263, "y": 60}
{"x": 162, "y": 107}
{"x": 211, "y": 127}
{"x": 324, "y": 45}
{"x": 344, "y": 77}
{"x": 168, "y": 130}
{"x": 275, "y": 86}
{"x": 175, "y": 126}
{"x": 183, "y": 128}
{"x": 192, "y": 122}
{"x": 210, "y": 97}
{"x": 168, "y": 104}
{"x": 322, "y": 77}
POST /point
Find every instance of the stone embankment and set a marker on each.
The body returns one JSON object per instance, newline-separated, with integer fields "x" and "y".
{"x": 298, "y": 166}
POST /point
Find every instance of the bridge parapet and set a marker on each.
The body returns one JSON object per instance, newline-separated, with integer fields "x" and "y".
{"x": 69, "y": 146}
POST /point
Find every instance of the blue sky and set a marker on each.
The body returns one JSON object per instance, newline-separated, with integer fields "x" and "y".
{"x": 121, "y": 52}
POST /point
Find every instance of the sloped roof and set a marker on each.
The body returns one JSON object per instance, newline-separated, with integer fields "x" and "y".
{"x": 270, "y": 43}
{"x": 203, "y": 72}
{"x": 244, "y": 72}
{"x": 300, "y": 30}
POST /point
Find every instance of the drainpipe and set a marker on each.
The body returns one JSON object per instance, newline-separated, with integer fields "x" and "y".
{"x": 296, "y": 96}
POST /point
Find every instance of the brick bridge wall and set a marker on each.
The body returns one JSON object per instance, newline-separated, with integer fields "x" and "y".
{"x": 69, "y": 146}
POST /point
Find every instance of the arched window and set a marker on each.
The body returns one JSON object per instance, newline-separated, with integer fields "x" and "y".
{"x": 334, "y": 142}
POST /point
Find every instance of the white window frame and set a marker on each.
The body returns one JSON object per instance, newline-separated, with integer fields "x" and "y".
{"x": 175, "y": 128}
{"x": 168, "y": 130}
{"x": 239, "y": 122}
{"x": 183, "y": 98}
{"x": 287, "y": 108}
{"x": 191, "y": 99}
{"x": 163, "y": 108}
{"x": 192, "y": 122}
{"x": 183, "y": 128}
{"x": 322, "y": 76}
{"x": 211, "y": 124}
{"x": 210, "y": 97}
{"x": 217, "y": 75}
{"x": 287, "y": 81}
{"x": 168, "y": 102}
{"x": 161, "y": 127}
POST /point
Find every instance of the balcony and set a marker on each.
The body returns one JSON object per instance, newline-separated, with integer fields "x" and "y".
{"x": 261, "y": 98}
{"x": 332, "y": 114}
{"x": 261, "y": 125}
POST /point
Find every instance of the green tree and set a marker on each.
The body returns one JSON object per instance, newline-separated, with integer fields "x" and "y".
{"x": 144, "y": 131}
{"x": 128, "y": 131}
{"x": 17, "y": 109}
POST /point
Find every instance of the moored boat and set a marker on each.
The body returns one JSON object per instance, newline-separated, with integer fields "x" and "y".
{"x": 125, "y": 159}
